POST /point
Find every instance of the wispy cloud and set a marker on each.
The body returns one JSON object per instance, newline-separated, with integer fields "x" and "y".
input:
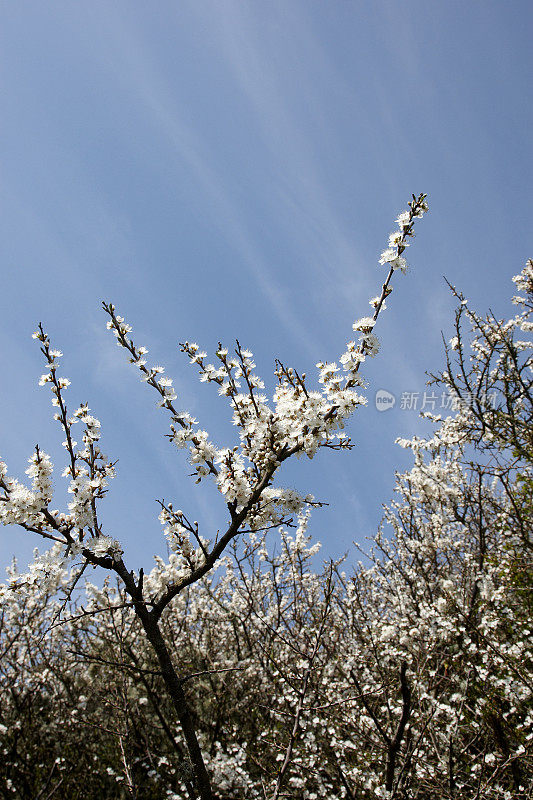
{"x": 278, "y": 83}
{"x": 187, "y": 145}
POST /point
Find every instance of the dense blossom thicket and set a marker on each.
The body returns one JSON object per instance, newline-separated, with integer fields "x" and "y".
{"x": 232, "y": 672}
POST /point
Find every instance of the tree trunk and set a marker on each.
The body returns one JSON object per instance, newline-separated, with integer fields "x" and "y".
{"x": 179, "y": 701}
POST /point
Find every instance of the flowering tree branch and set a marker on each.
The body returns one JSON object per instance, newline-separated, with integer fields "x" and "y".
{"x": 298, "y": 420}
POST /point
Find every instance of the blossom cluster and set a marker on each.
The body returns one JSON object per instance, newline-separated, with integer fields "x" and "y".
{"x": 88, "y": 470}
{"x": 21, "y": 504}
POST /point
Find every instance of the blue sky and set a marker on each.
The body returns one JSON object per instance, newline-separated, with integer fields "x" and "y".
{"x": 224, "y": 169}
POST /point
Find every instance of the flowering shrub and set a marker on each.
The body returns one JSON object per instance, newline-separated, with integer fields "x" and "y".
{"x": 232, "y": 672}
